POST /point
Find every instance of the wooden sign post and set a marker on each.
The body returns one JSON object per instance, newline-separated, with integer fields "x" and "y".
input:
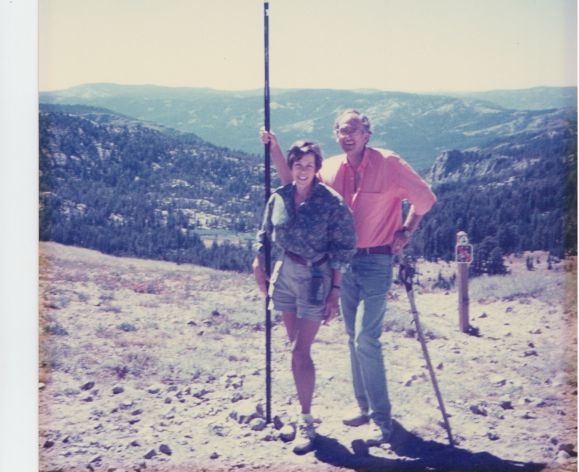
{"x": 463, "y": 259}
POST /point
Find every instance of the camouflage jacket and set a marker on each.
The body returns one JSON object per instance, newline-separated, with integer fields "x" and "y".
{"x": 321, "y": 225}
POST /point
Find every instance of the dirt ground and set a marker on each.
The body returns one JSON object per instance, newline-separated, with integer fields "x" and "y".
{"x": 149, "y": 365}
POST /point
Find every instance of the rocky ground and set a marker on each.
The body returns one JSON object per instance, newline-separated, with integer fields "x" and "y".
{"x": 148, "y": 365}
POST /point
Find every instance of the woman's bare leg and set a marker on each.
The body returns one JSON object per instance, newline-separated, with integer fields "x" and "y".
{"x": 301, "y": 333}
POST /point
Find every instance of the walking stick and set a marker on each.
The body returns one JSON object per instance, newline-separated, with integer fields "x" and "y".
{"x": 405, "y": 276}
{"x": 267, "y": 245}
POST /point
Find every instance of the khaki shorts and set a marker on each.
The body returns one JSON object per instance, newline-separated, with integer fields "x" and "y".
{"x": 289, "y": 288}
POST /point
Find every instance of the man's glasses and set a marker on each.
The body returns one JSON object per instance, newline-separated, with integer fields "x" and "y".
{"x": 346, "y": 131}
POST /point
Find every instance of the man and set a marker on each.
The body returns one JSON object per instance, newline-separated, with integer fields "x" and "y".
{"x": 373, "y": 182}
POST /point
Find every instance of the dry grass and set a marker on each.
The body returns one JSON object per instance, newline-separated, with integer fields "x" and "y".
{"x": 541, "y": 284}
{"x": 186, "y": 332}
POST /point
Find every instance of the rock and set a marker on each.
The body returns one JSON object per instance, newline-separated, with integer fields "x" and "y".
{"x": 153, "y": 389}
{"x": 117, "y": 390}
{"x": 409, "y": 333}
{"x": 87, "y": 386}
{"x": 506, "y": 405}
{"x": 531, "y": 352}
{"x": 479, "y": 410}
{"x": 48, "y": 444}
{"x": 568, "y": 448}
{"x": 201, "y": 393}
{"x": 277, "y": 422}
{"x": 214, "y": 455}
{"x": 236, "y": 397}
{"x": 524, "y": 401}
{"x": 257, "y": 424}
{"x": 244, "y": 412}
{"x": 165, "y": 449}
{"x": 529, "y": 416}
{"x": 234, "y": 382}
{"x": 409, "y": 382}
{"x": 287, "y": 433}
{"x": 493, "y": 436}
{"x": 149, "y": 455}
{"x": 498, "y": 380}
{"x": 219, "y": 429}
{"x": 563, "y": 457}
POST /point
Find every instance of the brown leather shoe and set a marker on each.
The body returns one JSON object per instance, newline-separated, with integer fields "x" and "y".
{"x": 356, "y": 421}
{"x": 378, "y": 437}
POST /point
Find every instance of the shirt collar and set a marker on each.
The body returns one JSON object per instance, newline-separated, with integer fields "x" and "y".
{"x": 363, "y": 164}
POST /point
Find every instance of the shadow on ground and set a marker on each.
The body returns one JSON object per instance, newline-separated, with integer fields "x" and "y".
{"x": 416, "y": 454}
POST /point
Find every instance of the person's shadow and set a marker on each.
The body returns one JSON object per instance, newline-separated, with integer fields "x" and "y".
{"x": 417, "y": 455}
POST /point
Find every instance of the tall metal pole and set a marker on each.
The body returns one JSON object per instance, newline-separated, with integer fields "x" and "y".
{"x": 267, "y": 195}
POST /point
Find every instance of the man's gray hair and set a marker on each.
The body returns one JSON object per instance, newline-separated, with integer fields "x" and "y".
{"x": 361, "y": 116}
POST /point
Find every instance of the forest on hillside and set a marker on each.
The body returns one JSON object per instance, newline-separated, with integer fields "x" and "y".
{"x": 126, "y": 188}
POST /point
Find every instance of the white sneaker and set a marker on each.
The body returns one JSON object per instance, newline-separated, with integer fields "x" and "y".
{"x": 305, "y": 436}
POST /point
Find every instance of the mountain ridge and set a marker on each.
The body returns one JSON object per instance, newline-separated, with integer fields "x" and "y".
{"x": 417, "y": 126}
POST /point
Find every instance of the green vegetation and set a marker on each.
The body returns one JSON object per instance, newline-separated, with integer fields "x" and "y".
{"x": 128, "y": 188}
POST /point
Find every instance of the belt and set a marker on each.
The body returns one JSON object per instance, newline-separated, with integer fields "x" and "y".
{"x": 386, "y": 250}
{"x": 303, "y": 261}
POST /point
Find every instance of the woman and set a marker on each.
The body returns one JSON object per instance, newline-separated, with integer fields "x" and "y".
{"x": 314, "y": 229}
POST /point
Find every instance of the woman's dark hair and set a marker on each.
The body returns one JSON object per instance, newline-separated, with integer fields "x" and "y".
{"x": 300, "y": 148}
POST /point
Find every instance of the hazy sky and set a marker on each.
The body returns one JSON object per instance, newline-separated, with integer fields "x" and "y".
{"x": 407, "y": 45}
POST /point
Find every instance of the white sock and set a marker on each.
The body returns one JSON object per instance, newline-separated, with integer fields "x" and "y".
{"x": 307, "y": 418}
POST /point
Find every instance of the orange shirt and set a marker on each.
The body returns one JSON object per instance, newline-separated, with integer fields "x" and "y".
{"x": 375, "y": 194}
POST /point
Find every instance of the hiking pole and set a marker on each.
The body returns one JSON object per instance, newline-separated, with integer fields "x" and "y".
{"x": 405, "y": 276}
{"x": 267, "y": 245}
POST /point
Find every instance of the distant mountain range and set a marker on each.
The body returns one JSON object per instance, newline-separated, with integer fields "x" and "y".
{"x": 536, "y": 98}
{"x": 417, "y": 126}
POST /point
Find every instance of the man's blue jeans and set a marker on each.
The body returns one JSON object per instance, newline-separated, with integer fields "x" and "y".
{"x": 363, "y": 299}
